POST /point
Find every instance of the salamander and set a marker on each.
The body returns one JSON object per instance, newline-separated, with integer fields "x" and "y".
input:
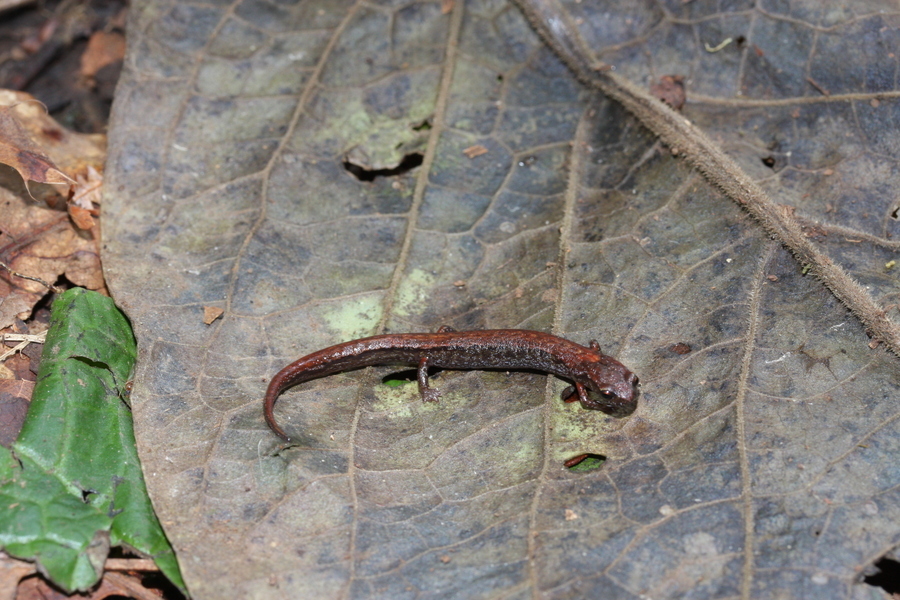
{"x": 587, "y": 367}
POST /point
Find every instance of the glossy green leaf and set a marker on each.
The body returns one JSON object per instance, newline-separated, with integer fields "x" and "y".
{"x": 72, "y": 485}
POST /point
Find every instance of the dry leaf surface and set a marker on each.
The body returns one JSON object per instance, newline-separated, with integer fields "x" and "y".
{"x": 761, "y": 460}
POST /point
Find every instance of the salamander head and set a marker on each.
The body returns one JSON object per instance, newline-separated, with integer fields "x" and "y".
{"x": 614, "y": 386}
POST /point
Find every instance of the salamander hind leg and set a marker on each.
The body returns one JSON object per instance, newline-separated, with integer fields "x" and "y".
{"x": 428, "y": 394}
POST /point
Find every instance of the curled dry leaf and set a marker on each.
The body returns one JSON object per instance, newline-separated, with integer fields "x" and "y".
{"x": 86, "y": 198}
{"x": 47, "y": 145}
{"x": 22, "y": 154}
{"x": 81, "y": 217}
{"x": 87, "y": 189}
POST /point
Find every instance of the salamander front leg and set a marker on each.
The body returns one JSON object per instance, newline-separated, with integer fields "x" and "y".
{"x": 572, "y": 394}
{"x": 428, "y": 394}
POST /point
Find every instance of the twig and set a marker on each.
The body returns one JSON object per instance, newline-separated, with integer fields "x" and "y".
{"x": 554, "y": 25}
{"x": 818, "y": 86}
{"x": 131, "y": 564}
{"x": 49, "y": 286}
{"x": 23, "y": 338}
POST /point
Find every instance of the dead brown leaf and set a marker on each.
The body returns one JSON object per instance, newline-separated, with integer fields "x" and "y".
{"x": 121, "y": 579}
{"x": 117, "y": 585}
{"x": 87, "y": 193}
{"x": 86, "y": 198}
{"x": 19, "y": 152}
{"x": 103, "y": 49}
{"x": 211, "y": 313}
{"x": 12, "y": 571}
{"x": 15, "y": 395}
{"x": 81, "y": 217}
{"x": 70, "y": 152}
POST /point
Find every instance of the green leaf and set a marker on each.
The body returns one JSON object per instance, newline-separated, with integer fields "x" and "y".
{"x": 72, "y": 485}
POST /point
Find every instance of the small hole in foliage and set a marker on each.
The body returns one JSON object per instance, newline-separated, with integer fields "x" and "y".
{"x": 585, "y": 462}
{"x": 409, "y": 162}
{"x": 886, "y": 575}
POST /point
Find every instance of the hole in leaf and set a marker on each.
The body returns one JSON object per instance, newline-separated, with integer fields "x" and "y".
{"x": 895, "y": 212}
{"x": 769, "y": 161}
{"x": 740, "y": 41}
{"x": 409, "y": 162}
{"x": 86, "y": 495}
{"x": 423, "y": 126}
{"x": 886, "y": 575}
{"x": 399, "y": 378}
{"x": 585, "y": 462}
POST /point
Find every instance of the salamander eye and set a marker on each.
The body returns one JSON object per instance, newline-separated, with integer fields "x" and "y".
{"x": 609, "y": 394}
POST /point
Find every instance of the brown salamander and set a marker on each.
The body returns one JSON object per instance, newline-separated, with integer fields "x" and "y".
{"x": 512, "y": 349}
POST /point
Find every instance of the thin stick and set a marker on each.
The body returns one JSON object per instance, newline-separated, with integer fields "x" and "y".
{"x": 23, "y": 338}
{"x": 130, "y": 564}
{"x": 49, "y": 286}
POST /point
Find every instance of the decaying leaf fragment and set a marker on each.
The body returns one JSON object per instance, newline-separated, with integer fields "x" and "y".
{"x": 19, "y": 151}
{"x": 85, "y": 198}
{"x": 670, "y": 89}
{"x": 103, "y": 49}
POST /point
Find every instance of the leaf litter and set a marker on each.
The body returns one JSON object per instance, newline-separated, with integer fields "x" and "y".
{"x": 49, "y": 231}
{"x": 36, "y": 237}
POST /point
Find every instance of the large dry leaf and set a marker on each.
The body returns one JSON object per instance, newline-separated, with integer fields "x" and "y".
{"x": 761, "y": 461}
